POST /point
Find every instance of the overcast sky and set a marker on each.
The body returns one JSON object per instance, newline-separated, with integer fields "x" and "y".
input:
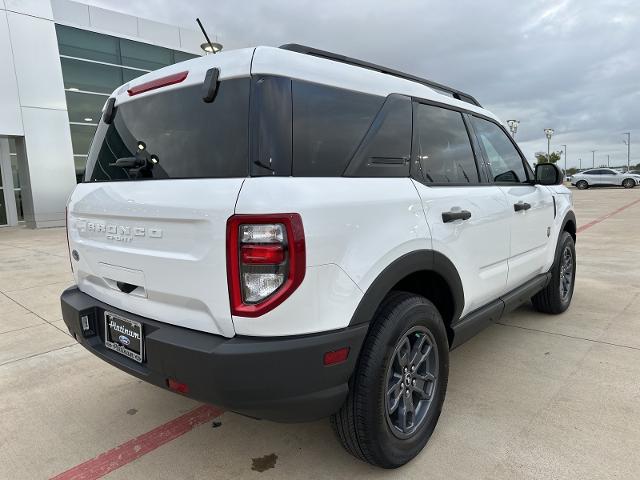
{"x": 571, "y": 65}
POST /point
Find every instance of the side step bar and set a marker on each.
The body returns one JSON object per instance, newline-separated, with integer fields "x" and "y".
{"x": 479, "y": 319}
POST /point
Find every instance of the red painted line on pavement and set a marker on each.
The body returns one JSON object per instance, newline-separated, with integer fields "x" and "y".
{"x": 135, "y": 448}
{"x": 604, "y": 217}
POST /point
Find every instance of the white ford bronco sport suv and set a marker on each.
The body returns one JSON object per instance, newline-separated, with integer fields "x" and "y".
{"x": 292, "y": 234}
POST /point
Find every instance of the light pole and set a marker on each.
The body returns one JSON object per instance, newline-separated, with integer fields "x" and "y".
{"x": 549, "y": 133}
{"x": 593, "y": 158}
{"x": 211, "y": 48}
{"x": 608, "y": 163}
{"x": 565, "y": 157}
{"x": 513, "y": 127}
{"x": 580, "y": 160}
{"x": 627, "y": 142}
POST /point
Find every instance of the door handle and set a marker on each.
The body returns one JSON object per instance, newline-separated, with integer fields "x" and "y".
{"x": 456, "y": 215}
{"x": 521, "y": 206}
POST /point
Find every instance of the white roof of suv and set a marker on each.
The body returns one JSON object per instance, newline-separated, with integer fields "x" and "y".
{"x": 300, "y": 66}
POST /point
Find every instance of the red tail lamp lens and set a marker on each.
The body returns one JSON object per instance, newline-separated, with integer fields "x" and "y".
{"x": 262, "y": 254}
{"x": 265, "y": 261}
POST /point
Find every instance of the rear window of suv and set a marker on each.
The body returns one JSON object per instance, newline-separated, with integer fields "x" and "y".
{"x": 175, "y": 134}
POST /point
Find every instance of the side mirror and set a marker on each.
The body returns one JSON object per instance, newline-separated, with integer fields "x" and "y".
{"x": 548, "y": 174}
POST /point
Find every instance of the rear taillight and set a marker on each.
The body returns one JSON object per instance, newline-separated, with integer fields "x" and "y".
{"x": 265, "y": 261}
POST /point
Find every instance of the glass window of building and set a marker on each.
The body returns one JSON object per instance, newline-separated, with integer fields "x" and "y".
{"x": 74, "y": 42}
{"x": 141, "y": 55}
{"x": 93, "y": 66}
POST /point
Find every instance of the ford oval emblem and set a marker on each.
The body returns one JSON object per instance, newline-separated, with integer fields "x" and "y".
{"x": 124, "y": 340}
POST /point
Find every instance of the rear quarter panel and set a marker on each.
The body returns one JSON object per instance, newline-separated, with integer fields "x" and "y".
{"x": 354, "y": 228}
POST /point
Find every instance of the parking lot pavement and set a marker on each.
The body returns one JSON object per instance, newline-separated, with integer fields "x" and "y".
{"x": 532, "y": 397}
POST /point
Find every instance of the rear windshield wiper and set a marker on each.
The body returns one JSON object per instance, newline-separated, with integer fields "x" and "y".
{"x": 128, "y": 162}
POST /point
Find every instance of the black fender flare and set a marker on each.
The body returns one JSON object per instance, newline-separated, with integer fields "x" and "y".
{"x": 570, "y": 217}
{"x": 412, "y": 262}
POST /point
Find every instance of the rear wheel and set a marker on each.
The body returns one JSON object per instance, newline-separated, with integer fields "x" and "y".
{"x": 628, "y": 183}
{"x": 556, "y": 296}
{"x": 582, "y": 185}
{"x": 398, "y": 388}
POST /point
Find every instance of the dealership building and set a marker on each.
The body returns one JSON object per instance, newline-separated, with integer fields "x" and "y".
{"x": 60, "y": 61}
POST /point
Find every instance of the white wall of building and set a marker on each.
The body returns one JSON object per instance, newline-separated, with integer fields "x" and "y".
{"x": 33, "y": 74}
{"x": 74, "y": 14}
{"x": 32, "y": 98}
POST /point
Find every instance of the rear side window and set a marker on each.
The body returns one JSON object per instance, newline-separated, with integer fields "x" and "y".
{"x": 442, "y": 146}
{"x": 385, "y": 150}
{"x": 328, "y": 125}
{"x": 504, "y": 161}
{"x": 181, "y": 135}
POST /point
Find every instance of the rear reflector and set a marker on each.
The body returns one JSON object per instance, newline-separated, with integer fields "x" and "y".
{"x": 157, "y": 83}
{"x": 262, "y": 254}
{"x": 337, "y": 356}
{"x": 177, "y": 386}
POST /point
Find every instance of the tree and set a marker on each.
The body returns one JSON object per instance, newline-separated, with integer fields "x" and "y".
{"x": 542, "y": 157}
{"x": 571, "y": 171}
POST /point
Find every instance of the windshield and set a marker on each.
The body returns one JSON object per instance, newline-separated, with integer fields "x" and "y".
{"x": 175, "y": 134}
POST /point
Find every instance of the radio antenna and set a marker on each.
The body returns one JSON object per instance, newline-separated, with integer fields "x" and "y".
{"x": 208, "y": 46}
{"x": 204, "y": 32}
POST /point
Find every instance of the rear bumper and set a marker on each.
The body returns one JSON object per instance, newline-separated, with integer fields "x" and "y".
{"x": 279, "y": 378}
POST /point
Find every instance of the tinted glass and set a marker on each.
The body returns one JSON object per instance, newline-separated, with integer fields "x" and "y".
{"x": 505, "y": 163}
{"x": 83, "y": 107}
{"x": 184, "y": 136}
{"x": 443, "y": 147}
{"x": 272, "y": 127}
{"x": 81, "y": 136}
{"x": 142, "y": 55}
{"x": 80, "y": 162}
{"x": 386, "y": 148}
{"x": 92, "y": 77}
{"x": 328, "y": 125}
{"x": 84, "y": 44}
{"x": 182, "y": 56}
{"x": 128, "y": 74}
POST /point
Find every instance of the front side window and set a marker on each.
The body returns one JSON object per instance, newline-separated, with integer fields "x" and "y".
{"x": 504, "y": 161}
{"x": 442, "y": 146}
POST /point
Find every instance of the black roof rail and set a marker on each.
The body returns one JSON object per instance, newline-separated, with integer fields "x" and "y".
{"x": 457, "y": 94}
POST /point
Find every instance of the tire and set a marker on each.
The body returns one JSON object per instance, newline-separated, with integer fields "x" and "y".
{"x": 364, "y": 425}
{"x": 556, "y": 296}
{"x": 628, "y": 183}
{"x": 582, "y": 185}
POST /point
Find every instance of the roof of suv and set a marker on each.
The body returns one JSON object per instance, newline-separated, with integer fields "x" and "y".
{"x": 305, "y": 63}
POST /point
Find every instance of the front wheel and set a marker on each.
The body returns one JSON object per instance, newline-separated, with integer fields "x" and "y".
{"x": 628, "y": 183}
{"x": 398, "y": 388}
{"x": 556, "y": 296}
{"x": 582, "y": 185}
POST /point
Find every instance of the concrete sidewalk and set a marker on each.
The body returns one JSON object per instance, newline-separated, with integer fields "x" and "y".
{"x": 533, "y": 397}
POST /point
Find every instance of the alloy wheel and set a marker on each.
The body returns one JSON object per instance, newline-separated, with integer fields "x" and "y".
{"x": 566, "y": 273}
{"x": 411, "y": 381}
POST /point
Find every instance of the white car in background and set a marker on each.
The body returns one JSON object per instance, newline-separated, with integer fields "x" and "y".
{"x": 604, "y": 177}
